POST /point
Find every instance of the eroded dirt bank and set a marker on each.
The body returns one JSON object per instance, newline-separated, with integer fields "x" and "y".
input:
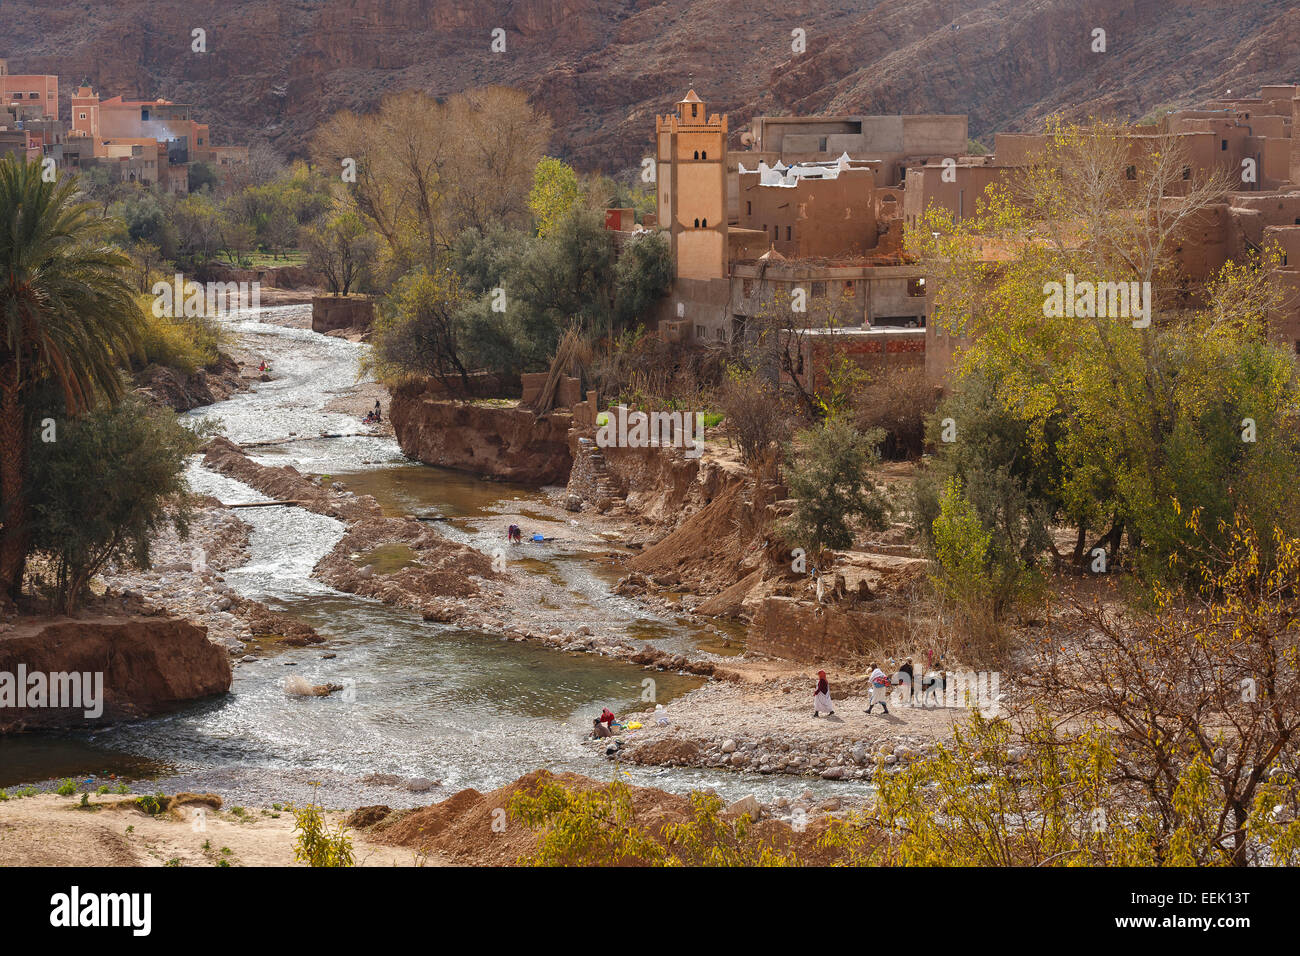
{"x": 149, "y": 664}
{"x": 484, "y": 438}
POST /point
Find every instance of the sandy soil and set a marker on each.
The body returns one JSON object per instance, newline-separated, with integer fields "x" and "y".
{"x": 51, "y": 830}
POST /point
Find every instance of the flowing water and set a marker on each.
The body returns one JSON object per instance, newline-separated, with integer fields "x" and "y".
{"x": 421, "y": 699}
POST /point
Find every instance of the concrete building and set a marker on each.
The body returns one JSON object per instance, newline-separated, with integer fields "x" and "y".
{"x": 38, "y": 94}
{"x": 816, "y": 209}
{"x": 146, "y": 141}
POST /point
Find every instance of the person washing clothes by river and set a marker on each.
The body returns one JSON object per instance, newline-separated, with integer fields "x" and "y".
{"x": 378, "y": 415}
{"x": 822, "y": 696}
{"x": 609, "y": 720}
{"x": 514, "y": 534}
{"x": 879, "y": 689}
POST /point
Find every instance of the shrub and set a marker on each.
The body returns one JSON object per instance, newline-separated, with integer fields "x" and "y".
{"x": 315, "y": 844}
{"x": 826, "y": 472}
{"x": 898, "y": 401}
{"x": 757, "y": 417}
{"x": 187, "y": 344}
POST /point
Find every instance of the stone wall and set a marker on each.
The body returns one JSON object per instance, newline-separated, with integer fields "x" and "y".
{"x": 496, "y": 441}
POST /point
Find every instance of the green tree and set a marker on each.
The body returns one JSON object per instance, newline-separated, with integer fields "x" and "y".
{"x": 110, "y": 481}
{"x": 68, "y": 312}
{"x": 642, "y": 276}
{"x": 566, "y": 276}
{"x": 341, "y": 248}
{"x": 827, "y": 476}
{"x": 554, "y": 193}
{"x": 419, "y": 332}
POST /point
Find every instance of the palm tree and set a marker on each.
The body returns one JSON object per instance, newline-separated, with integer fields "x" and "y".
{"x": 67, "y": 314}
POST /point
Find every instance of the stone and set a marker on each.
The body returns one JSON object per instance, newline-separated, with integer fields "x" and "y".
{"x": 728, "y": 746}
{"x": 748, "y": 804}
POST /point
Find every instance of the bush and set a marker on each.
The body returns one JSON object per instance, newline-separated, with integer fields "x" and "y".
{"x": 187, "y": 344}
{"x": 827, "y": 475}
{"x": 963, "y": 561}
{"x": 757, "y": 416}
{"x": 316, "y": 845}
{"x": 897, "y": 401}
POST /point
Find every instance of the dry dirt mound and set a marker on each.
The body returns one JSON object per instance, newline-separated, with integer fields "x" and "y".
{"x": 461, "y": 829}
{"x": 713, "y": 548}
{"x": 287, "y": 483}
{"x": 432, "y": 575}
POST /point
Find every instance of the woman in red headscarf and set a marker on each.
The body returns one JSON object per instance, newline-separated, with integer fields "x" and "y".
{"x": 822, "y": 696}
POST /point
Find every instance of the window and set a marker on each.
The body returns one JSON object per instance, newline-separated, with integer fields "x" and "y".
{"x": 849, "y": 290}
{"x": 819, "y": 290}
{"x": 144, "y": 115}
{"x": 1131, "y": 172}
{"x": 747, "y": 287}
{"x": 749, "y": 208}
{"x": 695, "y": 109}
{"x": 1223, "y": 146}
{"x": 1187, "y": 172}
{"x": 821, "y": 144}
{"x": 916, "y": 287}
{"x": 776, "y": 232}
{"x": 704, "y": 223}
{"x": 719, "y": 334}
{"x": 704, "y": 154}
{"x": 699, "y": 332}
{"x": 33, "y": 96}
{"x": 697, "y": 155}
{"x": 82, "y": 115}
{"x": 787, "y": 233}
{"x": 697, "y": 224}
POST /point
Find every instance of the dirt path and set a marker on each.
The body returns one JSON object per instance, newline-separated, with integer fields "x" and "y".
{"x": 50, "y": 830}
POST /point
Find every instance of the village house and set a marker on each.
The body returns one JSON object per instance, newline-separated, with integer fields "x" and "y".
{"x": 814, "y": 243}
{"x": 147, "y": 141}
{"x": 814, "y": 210}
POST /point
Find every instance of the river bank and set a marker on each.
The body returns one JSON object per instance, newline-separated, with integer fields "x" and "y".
{"x": 457, "y": 673}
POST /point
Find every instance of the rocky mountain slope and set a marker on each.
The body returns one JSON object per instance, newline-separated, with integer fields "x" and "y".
{"x": 603, "y": 68}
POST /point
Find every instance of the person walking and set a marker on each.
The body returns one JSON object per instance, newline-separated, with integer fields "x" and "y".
{"x": 879, "y": 689}
{"x": 822, "y": 696}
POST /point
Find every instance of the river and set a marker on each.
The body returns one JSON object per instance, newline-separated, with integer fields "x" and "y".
{"x": 422, "y": 700}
